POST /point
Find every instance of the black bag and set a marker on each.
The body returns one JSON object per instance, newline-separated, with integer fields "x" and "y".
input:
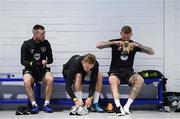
{"x": 154, "y": 74}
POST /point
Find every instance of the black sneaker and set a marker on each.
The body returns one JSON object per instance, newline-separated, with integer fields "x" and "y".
{"x": 20, "y": 110}
{"x": 119, "y": 111}
{"x": 23, "y": 110}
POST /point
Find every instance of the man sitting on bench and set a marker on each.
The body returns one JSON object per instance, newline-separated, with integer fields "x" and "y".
{"x": 74, "y": 72}
{"x": 35, "y": 54}
{"x": 121, "y": 69}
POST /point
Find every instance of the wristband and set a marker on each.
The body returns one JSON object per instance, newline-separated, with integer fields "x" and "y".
{"x": 75, "y": 99}
{"x": 91, "y": 97}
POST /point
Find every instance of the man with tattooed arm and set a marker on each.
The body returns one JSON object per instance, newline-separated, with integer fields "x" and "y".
{"x": 121, "y": 68}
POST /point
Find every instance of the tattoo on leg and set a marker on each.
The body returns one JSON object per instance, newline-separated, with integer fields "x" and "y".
{"x": 135, "y": 91}
{"x": 137, "y": 86}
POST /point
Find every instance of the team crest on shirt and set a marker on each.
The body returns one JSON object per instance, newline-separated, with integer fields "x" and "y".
{"x": 43, "y": 49}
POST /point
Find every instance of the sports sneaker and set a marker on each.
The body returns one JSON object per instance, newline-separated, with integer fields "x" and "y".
{"x": 73, "y": 110}
{"x": 82, "y": 110}
{"x": 119, "y": 111}
{"x": 34, "y": 110}
{"x": 20, "y": 110}
{"x": 48, "y": 109}
{"x": 126, "y": 110}
{"x": 166, "y": 109}
{"x": 23, "y": 110}
{"x": 126, "y": 48}
{"x": 97, "y": 108}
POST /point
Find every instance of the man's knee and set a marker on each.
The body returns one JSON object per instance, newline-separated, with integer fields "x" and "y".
{"x": 49, "y": 78}
{"x": 28, "y": 80}
{"x": 137, "y": 79}
{"x": 50, "y": 81}
{"x": 113, "y": 81}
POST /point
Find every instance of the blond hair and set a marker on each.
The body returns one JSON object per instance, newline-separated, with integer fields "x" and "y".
{"x": 89, "y": 58}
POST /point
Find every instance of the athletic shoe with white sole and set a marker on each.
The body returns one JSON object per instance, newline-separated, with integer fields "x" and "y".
{"x": 119, "y": 111}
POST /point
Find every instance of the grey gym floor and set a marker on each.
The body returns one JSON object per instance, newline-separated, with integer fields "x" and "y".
{"x": 65, "y": 115}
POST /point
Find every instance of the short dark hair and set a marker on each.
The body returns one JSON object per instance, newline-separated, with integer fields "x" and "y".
{"x": 37, "y": 27}
{"x": 126, "y": 29}
{"x": 89, "y": 58}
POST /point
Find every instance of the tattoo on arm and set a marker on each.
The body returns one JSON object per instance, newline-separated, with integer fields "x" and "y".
{"x": 103, "y": 44}
{"x": 146, "y": 49}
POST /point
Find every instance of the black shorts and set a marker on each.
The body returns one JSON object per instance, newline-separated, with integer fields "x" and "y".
{"x": 37, "y": 74}
{"x": 123, "y": 74}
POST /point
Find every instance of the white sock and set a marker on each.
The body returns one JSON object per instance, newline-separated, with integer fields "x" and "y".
{"x": 79, "y": 95}
{"x": 46, "y": 102}
{"x": 96, "y": 97}
{"x": 34, "y": 103}
{"x": 128, "y": 103}
{"x": 117, "y": 102}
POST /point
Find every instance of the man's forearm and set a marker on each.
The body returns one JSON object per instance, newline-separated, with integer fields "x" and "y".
{"x": 146, "y": 49}
{"x": 103, "y": 44}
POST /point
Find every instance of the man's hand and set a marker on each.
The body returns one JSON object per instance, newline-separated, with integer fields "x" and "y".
{"x": 106, "y": 44}
{"x": 118, "y": 43}
{"x": 133, "y": 45}
{"x": 35, "y": 64}
{"x": 88, "y": 102}
{"x": 79, "y": 102}
{"x": 44, "y": 62}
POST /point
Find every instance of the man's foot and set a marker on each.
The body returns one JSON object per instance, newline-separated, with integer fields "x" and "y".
{"x": 96, "y": 108}
{"x": 48, "y": 109}
{"x": 34, "y": 110}
{"x": 79, "y": 110}
{"x": 126, "y": 110}
{"x": 73, "y": 110}
{"x": 82, "y": 111}
{"x": 119, "y": 111}
{"x": 23, "y": 110}
{"x": 20, "y": 110}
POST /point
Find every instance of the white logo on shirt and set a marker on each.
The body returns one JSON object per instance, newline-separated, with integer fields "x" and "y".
{"x": 124, "y": 57}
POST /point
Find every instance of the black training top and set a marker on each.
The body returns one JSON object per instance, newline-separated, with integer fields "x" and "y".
{"x": 74, "y": 66}
{"x": 119, "y": 61}
{"x": 32, "y": 50}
